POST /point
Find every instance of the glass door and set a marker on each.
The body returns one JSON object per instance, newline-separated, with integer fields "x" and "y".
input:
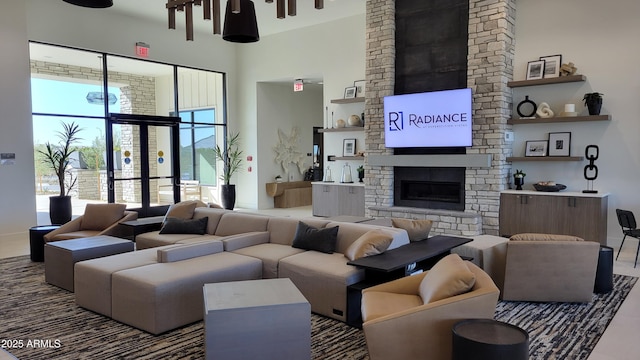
{"x": 142, "y": 166}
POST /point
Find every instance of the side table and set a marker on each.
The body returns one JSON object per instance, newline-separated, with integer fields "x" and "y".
{"x": 36, "y": 240}
{"x": 488, "y": 339}
{"x": 604, "y": 271}
{"x": 142, "y": 225}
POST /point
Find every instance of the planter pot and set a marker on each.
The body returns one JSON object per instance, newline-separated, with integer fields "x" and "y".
{"x": 518, "y": 181}
{"x": 59, "y": 209}
{"x": 228, "y": 196}
{"x": 594, "y": 107}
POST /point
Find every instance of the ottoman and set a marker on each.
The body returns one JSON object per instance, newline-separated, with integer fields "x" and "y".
{"x": 61, "y": 256}
{"x": 164, "y": 296}
{"x": 260, "y": 319}
{"x": 489, "y": 253}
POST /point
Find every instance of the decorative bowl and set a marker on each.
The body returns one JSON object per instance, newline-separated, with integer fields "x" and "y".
{"x": 549, "y": 188}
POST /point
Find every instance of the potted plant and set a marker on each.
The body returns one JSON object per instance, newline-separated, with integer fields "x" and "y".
{"x": 231, "y": 157}
{"x": 360, "y": 173}
{"x": 518, "y": 179}
{"x": 593, "y": 101}
{"x": 57, "y": 157}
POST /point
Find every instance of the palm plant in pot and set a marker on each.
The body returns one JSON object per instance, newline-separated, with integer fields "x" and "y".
{"x": 231, "y": 157}
{"x": 57, "y": 158}
{"x": 593, "y": 102}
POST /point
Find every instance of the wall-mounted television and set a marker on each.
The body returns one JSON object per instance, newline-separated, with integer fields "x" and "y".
{"x": 429, "y": 119}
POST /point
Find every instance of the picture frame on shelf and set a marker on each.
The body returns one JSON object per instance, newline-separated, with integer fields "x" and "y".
{"x": 560, "y": 144}
{"x": 552, "y": 64}
{"x": 535, "y": 70}
{"x": 350, "y": 92}
{"x": 535, "y": 148}
{"x": 360, "y": 87}
{"x": 349, "y": 147}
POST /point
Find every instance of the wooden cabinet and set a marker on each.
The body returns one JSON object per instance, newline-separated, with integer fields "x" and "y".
{"x": 334, "y": 199}
{"x": 578, "y": 214}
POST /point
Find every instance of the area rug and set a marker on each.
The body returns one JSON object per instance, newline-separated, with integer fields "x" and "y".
{"x": 40, "y": 321}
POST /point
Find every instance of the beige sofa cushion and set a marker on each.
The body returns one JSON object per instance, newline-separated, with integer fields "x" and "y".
{"x": 449, "y": 277}
{"x": 189, "y": 251}
{"x": 101, "y": 216}
{"x": 373, "y": 242}
{"x": 544, "y": 237}
{"x": 183, "y": 209}
{"x": 417, "y": 229}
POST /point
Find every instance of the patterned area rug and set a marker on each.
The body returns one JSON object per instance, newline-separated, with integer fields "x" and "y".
{"x": 41, "y": 321}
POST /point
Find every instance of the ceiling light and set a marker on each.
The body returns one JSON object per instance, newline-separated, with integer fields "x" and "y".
{"x": 241, "y": 27}
{"x": 96, "y": 4}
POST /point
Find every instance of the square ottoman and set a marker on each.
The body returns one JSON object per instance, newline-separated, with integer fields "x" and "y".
{"x": 489, "y": 253}
{"x": 259, "y": 319}
{"x": 61, "y": 256}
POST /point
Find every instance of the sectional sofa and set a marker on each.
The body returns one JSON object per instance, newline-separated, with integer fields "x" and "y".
{"x": 159, "y": 286}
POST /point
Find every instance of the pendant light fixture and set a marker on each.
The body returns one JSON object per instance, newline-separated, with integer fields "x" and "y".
{"x": 240, "y": 26}
{"x": 96, "y": 4}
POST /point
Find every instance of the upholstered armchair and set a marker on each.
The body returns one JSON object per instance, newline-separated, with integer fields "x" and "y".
{"x": 546, "y": 267}
{"x": 98, "y": 219}
{"x": 399, "y": 325}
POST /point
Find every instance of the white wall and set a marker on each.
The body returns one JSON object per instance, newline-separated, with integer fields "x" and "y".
{"x": 17, "y": 186}
{"x": 600, "y": 38}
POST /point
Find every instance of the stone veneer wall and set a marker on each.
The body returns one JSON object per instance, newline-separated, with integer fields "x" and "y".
{"x": 490, "y": 66}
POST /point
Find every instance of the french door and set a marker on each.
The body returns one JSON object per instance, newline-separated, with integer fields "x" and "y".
{"x": 142, "y": 162}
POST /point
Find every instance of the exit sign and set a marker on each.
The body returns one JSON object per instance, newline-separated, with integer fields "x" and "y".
{"x": 298, "y": 85}
{"x": 142, "y": 49}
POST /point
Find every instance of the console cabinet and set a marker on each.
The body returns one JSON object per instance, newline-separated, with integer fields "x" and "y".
{"x": 570, "y": 213}
{"x": 335, "y": 199}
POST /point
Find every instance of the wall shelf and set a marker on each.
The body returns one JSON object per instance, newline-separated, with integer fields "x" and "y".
{"x": 348, "y": 128}
{"x": 545, "y": 158}
{"x": 559, "y": 119}
{"x": 347, "y": 101}
{"x": 556, "y": 80}
{"x": 348, "y": 158}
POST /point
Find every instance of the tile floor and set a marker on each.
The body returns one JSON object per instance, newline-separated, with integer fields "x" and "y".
{"x": 619, "y": 341}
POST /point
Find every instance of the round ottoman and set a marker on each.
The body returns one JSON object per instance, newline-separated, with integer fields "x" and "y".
{"x": 486, "y": 339}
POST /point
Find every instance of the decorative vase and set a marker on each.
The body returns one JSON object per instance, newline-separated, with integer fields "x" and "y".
{"x": 60, "y": 209}
{"x": 228, "y": 196}
{"x": 594, "y": 107}
{"x": 518, "y": 181}
{"x": 360, "y": 175}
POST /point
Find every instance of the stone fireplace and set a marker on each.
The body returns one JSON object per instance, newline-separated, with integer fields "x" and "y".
{"x": 429, "y": 187}
{"x": 490, "y": 46}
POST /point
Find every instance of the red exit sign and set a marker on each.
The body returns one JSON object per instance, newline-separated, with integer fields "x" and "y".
{"x": 298, "y": 85}
{"x": 142, "y": 49}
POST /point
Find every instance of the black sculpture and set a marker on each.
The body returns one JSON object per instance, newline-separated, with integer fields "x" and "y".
{"x": 591, "y": 152}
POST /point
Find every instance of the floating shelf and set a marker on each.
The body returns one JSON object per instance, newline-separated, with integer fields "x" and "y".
{"x": 556, "y": 80}
{"x": 546, "y": 158}
{"x": 559, "y": 119}
{"x": 349, "y": 158}
{"x": 349, "y": 128}
{"x": 347, "y": 101}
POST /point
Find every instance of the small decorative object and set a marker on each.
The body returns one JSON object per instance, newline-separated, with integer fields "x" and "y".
{"x": 593, "y": 102}
{"x": 278, "y": 178}
{"x": 346, "y": 174}
{"x": 569, "y": 110}
{"x": 568, "y": 69}
{"x": 350, "y": 92}
{"x": 559, "y": 144}
{"x": 552, "y": 65}
{"x": 518, "y": 179}
{"x": 327, "y": 175}
{"x": 544, "y": 110}
{"x": 535, "y": 70}
{"x": 362, "y": 118}
{"x": 548, "y": 186}
{"x": 360, "y": 87}
{"x": 340, "y": 123}
{"x": 536, "y": 148}
{"x": 354, "y": 120}
{"x": 360, "y": 173}
{"x": 591, "y": 152}
{"x": 527, "y": 108}
{"x": 349, "y": 147}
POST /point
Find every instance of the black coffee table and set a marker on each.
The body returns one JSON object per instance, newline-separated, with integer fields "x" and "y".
{"x": 488, "y": 339}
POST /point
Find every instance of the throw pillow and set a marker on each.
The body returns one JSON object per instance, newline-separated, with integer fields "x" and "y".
{"x": 182, "y": 210}
{"x": 309, "y": 238}
{"x": 182, "y": 226}
{"x": 372, "y": 242}
{"x": 544, "y": 237}
{"x": 417, "y": 229}
{"x": 101, "y": 216}
{"x": 448, "y": 277}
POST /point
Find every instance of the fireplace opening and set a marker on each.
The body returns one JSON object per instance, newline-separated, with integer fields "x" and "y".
{"x": 430, "y": 187}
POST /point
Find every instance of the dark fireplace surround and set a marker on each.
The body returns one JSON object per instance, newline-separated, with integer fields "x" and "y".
{"x": 430, "y": 187}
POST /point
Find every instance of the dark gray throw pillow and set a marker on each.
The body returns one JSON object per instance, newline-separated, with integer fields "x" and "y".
{"x": 309, "y": 238}
{"x": 182, "y": 226}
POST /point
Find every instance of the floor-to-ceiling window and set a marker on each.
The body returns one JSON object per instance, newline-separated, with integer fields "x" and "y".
{"x": 83, "y": 87}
